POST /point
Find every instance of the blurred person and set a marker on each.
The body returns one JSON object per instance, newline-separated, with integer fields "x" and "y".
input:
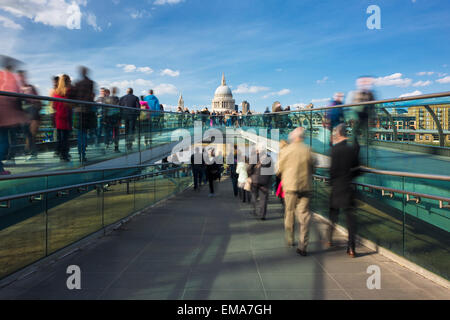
{"x": 113, "y": 117}
{"x": 233, "y": 174}
{"x": 33, "y": 109}
{"x": 161, "y": 116}
{"x": 144, "y": 121}
{"x": 100, "y": 115}
{"x": 63, "y": 116}
{"x": 296, "y": 166}
{"x": 278, "y": 183}
{"x": 55, "y": 81}
{"x": 344, "y": 168}
{"x": 11, "y": 113}
{"x": 85, "y": 116}
{"x": 197, "y": 165}
{"x": 130, "y": 116}
{"x": 335, "y": 116}
{"x": 241, "y": 171}
{"x": 212, "y": 171}
{"x": 364, "y": 93}
{"x": 260, "y": 181}
{"x": 153, "y": 104}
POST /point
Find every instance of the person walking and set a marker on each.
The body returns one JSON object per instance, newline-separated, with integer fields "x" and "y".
{"x": 233, "y": 168}
{"x": 241, "y": 171}
{"x": 296, "y": 165}
{"x": 63, "y": 117}
{"x": 261, "y": 178}
{"x": 278, "y": 184}
{"x": 212, "y": 171}
{"x": 85, "y": 116}
{"x": 344, "y": 168}
{"x": 154, "y": 107}
{"x": 113, "y": 117}
{"x": 11, "y": 115}
{"x": 334, "y": 116}
{"x": 197, "y": 164}
{"x": 32, "y": 108}
{"x": 130, "y": 116}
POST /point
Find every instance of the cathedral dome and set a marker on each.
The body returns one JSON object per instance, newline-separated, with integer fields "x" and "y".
{"x": 223, "y": 98}
{"x": 223, "y": 91}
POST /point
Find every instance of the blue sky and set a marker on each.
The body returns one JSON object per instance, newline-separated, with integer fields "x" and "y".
{"x": 295, "y": 51}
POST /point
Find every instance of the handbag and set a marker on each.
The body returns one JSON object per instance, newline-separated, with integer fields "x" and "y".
{"x": 248, "y": 185}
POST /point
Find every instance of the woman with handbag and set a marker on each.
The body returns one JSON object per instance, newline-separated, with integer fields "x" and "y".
{"x": 243, "y": 185}
{"x": 260, "y": 181}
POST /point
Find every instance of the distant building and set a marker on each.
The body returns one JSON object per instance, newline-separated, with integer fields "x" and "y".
{"x": 424, "y": 121}
{"x": 245, "y": 107}
{"x": 181, "y": 102}
{"x": 223, "y": 98}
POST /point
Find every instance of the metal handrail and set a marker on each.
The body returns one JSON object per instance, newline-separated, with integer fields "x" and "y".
{"x": 91, "y": 103}
{"x": 424, "y": 96}
{"x": 36, "y": 97}
{"x": 406, "y": 174}
{"x": 410, "y": 193}
{"x": 66, "y": 172}
{"x": 87, "y": 184}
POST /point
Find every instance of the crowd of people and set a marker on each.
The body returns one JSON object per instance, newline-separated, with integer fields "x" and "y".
{"x": 252, "y": 180}
{"x": 91, "y": 123}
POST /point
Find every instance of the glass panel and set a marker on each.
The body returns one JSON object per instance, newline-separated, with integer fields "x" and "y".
{"x": 73, "y": 215}
{"x": 427, "y": 226}
{"x": 118, "y": 202}
{"x": 144, "y": 193}
{"x": 22, "y": 235}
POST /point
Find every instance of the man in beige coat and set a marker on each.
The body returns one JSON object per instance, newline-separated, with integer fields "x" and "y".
{"x": 296, "y": 166}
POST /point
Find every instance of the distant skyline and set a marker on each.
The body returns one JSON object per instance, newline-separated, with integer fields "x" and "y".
{"x": 295, "y": 51}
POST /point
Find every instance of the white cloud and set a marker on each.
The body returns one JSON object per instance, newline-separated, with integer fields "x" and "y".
{"x": 425, "y": 73}
{"x": 8, "y": 23}
{"x": 146, "y": 70}
{"x": 422, "y": 83}
{"x": 245, "y": 88}
{"x": 170, "y": 73}
{"x": 132, "y": 68}
{"x": 282, "y": 92}
{"x": 411, "y": 94}
{"x": 163, "y": 2}
{"x": 395, "y": 79}
{"x": 322, "y": 81}
{"x": 165, "y": 88}
{"x": 55, "y": 13}
{"x": 320, "y": 100}
{"x": 444, "y": 80}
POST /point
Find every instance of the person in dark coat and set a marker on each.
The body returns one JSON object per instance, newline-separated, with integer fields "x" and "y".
{"x": 344, "y": 168}
{"x": 261, "y": 180}
{"x": 85, "y": 117}
{"x": 197, "y": 166}
{"x": 130, "y": 116}
{"x": 213, "y": 169}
